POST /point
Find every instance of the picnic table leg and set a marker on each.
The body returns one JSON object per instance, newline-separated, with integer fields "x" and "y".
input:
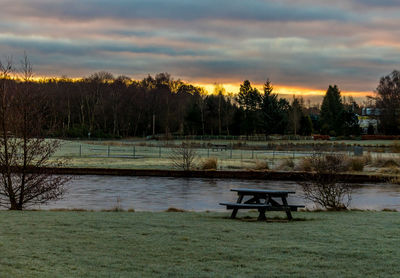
{"x": 235, "y": 210}
{"x": 288, "y": 212}
{"x": 261, "y": 216}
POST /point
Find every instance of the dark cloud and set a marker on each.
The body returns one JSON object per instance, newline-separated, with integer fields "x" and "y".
{"x": 304, "y": 43}
{"x": 177, "y": 10}
{"x": 378, "y": 3}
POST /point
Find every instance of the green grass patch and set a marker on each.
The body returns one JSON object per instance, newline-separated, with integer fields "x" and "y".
{"x": 144, "y": 244}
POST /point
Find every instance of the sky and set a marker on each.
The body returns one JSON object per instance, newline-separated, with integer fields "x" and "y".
{"x": 302, "y": 46}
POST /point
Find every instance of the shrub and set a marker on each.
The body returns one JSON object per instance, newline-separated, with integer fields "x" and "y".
{"x": 77, "y": 132}
{"x": 357, "y": 164}
{"x": 183, "y": 156}
{"x": 174, "y": 210}
{"x": 325, "y": 188}
{"x": 396, "y": 147}
{"x": 367, "y": 158}
{"x": 210, "y": 163}
{"x": 305, "y": 165}
{"x": 390, "y": 170}
{"x": 287, "y": 164}
{"x": 385, "y": 162}
{"x": 261, "y": 165}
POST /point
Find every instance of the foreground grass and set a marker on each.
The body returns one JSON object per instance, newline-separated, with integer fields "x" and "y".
{"x": 123, "y": 244}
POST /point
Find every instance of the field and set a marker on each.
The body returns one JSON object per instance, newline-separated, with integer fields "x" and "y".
{"x": 240, "y": 155}
{"x": 132, "y": 244}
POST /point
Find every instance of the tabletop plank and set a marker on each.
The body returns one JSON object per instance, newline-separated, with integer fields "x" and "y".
{"x": 262, "y": 191}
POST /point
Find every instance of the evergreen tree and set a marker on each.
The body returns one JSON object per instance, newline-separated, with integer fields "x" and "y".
{"x": 306, "y": 126}
{"x": 284, "y": 108}
{"x": 249, "y": 100}
{"x": 350, "y": 123}
{"x": 332, "y": 112}
{"x": 273, "y": 111}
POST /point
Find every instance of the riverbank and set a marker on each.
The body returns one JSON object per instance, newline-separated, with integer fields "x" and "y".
{"x": 220, "y": 174}
{"x": 126, "y": 244}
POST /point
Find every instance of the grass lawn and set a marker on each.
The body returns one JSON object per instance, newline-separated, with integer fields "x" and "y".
{"x": 125, "y": 154}
{"x": 144, "y": 244}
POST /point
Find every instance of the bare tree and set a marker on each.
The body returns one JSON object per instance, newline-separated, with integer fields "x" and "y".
{"x": 325, "y": 188}
{"x": 96, "y": 84}
{"x": 183, "y": 156}
{"x": 25, "y": 154}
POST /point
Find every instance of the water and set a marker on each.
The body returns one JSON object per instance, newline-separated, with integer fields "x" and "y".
{"x": 157, "y": 194}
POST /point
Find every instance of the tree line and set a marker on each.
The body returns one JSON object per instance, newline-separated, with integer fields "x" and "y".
{"x": 102, "y": 105}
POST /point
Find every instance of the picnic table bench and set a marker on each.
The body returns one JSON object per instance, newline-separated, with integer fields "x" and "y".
{"x": 222, "y": 147}
{"x": 262, "y": 200}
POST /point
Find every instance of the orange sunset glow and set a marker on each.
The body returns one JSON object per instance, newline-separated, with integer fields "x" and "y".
{"x": 315, "y": 95}
{"x": 301, "y": 47}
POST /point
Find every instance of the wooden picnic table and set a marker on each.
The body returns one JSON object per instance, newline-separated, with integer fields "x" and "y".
{"x": 262, "y": 200}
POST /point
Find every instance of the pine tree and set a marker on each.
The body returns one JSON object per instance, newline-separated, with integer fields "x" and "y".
{"x": 273, "y": 111}
{"x": 249, "y": 100}
{"x": 331, "y": 112}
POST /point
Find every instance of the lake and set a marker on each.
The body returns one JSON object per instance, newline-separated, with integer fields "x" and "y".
{"x": 159, "y": 193}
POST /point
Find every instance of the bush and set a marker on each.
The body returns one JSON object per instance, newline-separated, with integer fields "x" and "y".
{"x": 305, "y": 165}
{"x": 367, "y": 158}
{"x": 335, "y": 163}
{"x": 357, "y": 164}
{"x": 396, "y": 147}
{"x": 325, "y": 188}
{"x": 287, "y": 164}
{"x": 172, "y": 209}
{"x": 390, "y": 171}
{"x": 77, "y": 132}
{"x": 183, "y": 156}
{"x": 261, "y": 165}
{"x": 210, "y": 164}
{"x": 383, "y": 162}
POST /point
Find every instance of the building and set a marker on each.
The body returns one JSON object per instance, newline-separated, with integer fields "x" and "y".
{"x": 369, "y": 117}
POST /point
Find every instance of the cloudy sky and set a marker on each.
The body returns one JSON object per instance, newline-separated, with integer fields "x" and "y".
{"x": 301, "y": 45}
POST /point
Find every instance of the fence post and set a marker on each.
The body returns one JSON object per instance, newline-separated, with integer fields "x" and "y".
{"x": 108, "y": 151}
{"x": 231, "y": 151}
{"x": 252, "y": 154}
{"x": 134, "y": 152}
{"x": 159, "y": 152}
{"x": 80, "y": 150}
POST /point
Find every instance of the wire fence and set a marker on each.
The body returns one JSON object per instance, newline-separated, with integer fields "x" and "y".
{"x": 158, "y": 154}
{"x": 224, "y": 152}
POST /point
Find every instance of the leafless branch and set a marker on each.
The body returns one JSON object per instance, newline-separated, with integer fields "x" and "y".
{"x": 325, "y": 189}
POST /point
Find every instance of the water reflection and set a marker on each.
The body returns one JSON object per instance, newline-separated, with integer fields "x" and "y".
{"x": 156, "y": 194}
